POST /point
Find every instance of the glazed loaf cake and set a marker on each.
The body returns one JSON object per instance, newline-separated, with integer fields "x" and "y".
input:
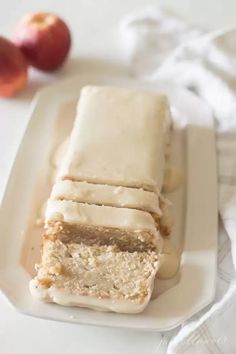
{"x": 106, "y": 216}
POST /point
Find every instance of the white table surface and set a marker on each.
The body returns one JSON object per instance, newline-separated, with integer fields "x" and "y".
{"x": 96, "y": 48}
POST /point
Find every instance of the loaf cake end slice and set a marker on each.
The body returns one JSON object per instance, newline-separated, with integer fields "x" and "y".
{"x": 97, "y": 277}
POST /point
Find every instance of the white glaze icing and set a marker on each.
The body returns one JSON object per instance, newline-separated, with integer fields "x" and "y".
{"x": 64, "y": 298}
{"x": 169, "y": 261}
{"x": 84, "y": 192}
{"x": 59, "y": 153}
{"x": 119, "y": 138}
{"x": 173, "y": 180}
{"x": 80, "y": 213}
{"x": 41, "y": 215}
{"x": 167, "y": 218}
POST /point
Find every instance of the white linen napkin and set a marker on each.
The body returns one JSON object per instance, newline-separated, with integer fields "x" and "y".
{"x": 161, "y": 46}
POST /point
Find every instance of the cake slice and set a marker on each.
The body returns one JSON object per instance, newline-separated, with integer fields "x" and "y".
{"x": 121, "y": 197}
{"x": 119, "y": 138}
{"x": 98, "y": 277}
{"x": 129, "y": 229}
{"x": 102, "y": 194}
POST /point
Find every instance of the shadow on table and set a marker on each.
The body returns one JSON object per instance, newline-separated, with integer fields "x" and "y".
{"x": 74, "y": 66}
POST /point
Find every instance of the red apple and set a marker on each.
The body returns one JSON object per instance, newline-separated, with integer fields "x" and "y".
{"x": 45, "y": 40}
{"x": 13, "y": 68}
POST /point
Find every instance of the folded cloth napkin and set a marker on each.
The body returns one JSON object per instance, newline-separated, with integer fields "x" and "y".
{"x": 161, "y": 46}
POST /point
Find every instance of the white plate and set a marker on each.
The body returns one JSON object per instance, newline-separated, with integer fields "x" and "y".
{"x": 195, "y": 208}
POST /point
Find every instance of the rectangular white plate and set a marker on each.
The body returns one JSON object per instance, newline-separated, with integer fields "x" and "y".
{"x": 195, "y": 208}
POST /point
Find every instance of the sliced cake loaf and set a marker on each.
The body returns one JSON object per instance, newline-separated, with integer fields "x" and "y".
{"x": 129, "y": 229}
{"x": 117, "y": 152}
{"x": 106, "y": 214}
